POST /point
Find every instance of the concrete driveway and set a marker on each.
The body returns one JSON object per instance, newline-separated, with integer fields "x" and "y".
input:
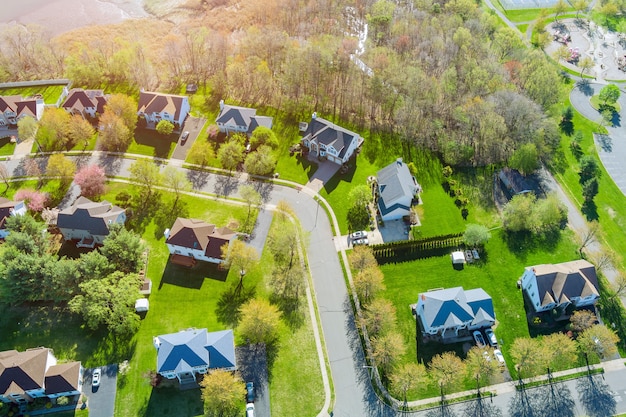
{"x": 193, "y": 125}
{"x": 252, "y": 363}
{"x": 101, "y": 401}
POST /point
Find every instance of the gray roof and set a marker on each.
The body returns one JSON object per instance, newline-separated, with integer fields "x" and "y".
{"x": 453, "y": 306}
{"x": 239, "y": 116}
{"x": 395, "y": 182}
{"x": 559, "y": 283}
{"x": 329, "y": 134}
{"x": 93, "y": 217}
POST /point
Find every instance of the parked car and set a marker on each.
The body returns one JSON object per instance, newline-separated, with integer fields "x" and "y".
{"x": 499, "y": 357}
{"x": 250, "y": 410}
{"x": 359, "y": 235}
{"x": 250, "y": 392}
{"x": 95, "y": 377}
{"x": 183, "y": 137}
{"x": 478, "y": 337}
{"x": 363, "y": 241}
{"x": 491, "y": 337}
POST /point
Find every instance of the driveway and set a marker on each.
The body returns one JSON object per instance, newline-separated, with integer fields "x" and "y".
{"x": 252, "y": 365}
{"x": 193, "y": 125}
{"x": 101, "y": 402}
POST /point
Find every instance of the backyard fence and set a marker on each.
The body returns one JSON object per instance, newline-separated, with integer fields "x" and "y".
{"x": 417, "y": 249}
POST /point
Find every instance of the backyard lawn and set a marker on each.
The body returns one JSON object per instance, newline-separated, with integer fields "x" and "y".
{"x": 6, "y": 146}
{"x": 50, "y": 93}
{"x": 151, "y": 143}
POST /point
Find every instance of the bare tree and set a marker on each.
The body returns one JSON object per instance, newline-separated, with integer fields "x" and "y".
{"x": 588, "y": 235}
{"x": 408, "y": 377}
{"x": 581, "y": 320}
{"x": 4, "y": 177}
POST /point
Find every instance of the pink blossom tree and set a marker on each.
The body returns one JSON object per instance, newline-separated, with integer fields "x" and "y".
{"x": 91, "y": 180}
{"x": 35, "y": 200}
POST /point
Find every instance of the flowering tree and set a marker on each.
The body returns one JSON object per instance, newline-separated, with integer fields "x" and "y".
{"x": 35, "y": 200}
{"x": 91, "y": 180}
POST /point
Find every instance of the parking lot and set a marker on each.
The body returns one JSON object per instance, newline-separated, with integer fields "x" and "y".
{"x": 101, "y": 400}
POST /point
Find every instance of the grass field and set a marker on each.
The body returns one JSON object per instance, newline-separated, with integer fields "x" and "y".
{"x": 50, "y": 93}
{"x": 6, "y": 146}
{"x": 151, "y": 143}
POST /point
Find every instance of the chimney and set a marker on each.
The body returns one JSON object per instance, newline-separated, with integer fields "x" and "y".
{"x": 314, "y": 116}
{"x": 399, "y": 161}
{"x": 221, "y": 104}
{"x": 166, "y": 234}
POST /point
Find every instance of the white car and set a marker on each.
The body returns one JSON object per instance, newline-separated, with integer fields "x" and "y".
{"x": 491, "y": 337}
{"x": 359, "y": 235}
{"x": 498, "y": 355}
{"x": 250, "y": 410}
{"x": 95, "y": 377}
{"x": 363, "y": 241}
{"x": 478, "y": 337}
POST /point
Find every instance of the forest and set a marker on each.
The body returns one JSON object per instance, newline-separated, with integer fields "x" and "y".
{"x": 444, "y": 76}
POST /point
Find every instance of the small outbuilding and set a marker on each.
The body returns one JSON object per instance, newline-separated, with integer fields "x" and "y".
{"x": 458, "y": 258}
{"x": 142, "y": 305}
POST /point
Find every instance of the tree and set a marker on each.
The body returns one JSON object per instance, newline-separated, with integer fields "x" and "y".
{"x": 221, "y": 393}
{"x": 562, "y": 53}
{"x": 618, "y": 288}
{"x": 109, "y": 301}
{"x": 362, "y": 257}
{"x": 94, "y": 265}
{"x": 588, "y": 169}
{"x": 123, "y": 248}
{"x": 549, "y": 214}
{"x": 176, "y": 181}
{"x": 379, "y": 317}
{"x": 609, "y": 94}
{"x": 368, "y": 283}
{"x": 284, "y": 246}
{"x": 125, "y": 108}
{"x": 518, "y": 213}
{"x": 165, "y": 127}
{"x": 53, "y": 131}
{"x": 230, "y": 154}
{"x": 80, "y": 131}
{"x": 361, "y": 195}
{"x": 386, "y": 350}
{"x": 114, "y": 135}
{"x": 530, "y": 357}
{"x": 201, "y": 153}
{"x": 408, "y": 377}
{"x": 263, "y": 136}
{"x": 31, "y": 228}
{"x": 259, "y": 322}
{"x": 146, "y": 174}
{"x": 584, "y": 64}
{"x": 27, "y": 128}
{"x": 525, "y": 159}
{"x": 62, "y": 167}
{"x": 35, "y": 201}
{"x": 579, "y": 6}
{"x": 260, "y": 162}
{"x": 588, "y": 235}
{"x": 560, "y": 7}
{"x": 446, "y": 370}
{"x": 5, "y": 176}
{"x": 480, "y": 366}
{"x": 91, "y": 179}
{"x": 598, "y": 340}
{"x": 251, "y": 197}
{"x": 358, "y": 217}
{"x": 476, "y": 235}
{"x": 581, "y": 320}
{"x": 590, "y": 189}
{"x": 240, "y": 256}
{"x": 560, "y": 350}
{"x": 287, "y": 283}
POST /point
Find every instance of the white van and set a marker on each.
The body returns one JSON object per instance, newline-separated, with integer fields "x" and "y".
{"x": 250, "y": 410}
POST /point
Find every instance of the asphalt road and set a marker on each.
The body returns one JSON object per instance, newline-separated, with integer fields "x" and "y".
{"x": 101, "y": 401}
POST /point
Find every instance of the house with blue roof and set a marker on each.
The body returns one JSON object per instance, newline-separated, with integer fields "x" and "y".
{"x": 396, "y": 190}
{"x": 240, "y": 119}
{"x": 190, "y": 352}
{"x": 452, "y": 314}
{"x": 328, "y": 141}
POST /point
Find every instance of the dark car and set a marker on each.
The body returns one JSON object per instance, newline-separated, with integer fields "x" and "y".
{"x": 184, "y": 136}
{"x": 250, "y": 392}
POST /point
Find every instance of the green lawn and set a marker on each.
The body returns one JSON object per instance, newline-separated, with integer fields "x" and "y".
{"x": 151, "y": 143}
{"x": 502, "y": 264}
{"x": 6, "y": 146}
{"x": 50, "y": 93}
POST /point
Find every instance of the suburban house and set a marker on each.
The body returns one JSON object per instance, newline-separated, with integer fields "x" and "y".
{"x": 453, "y": 313}
{"x": 189, "y": 352}
{"x": 396, "y": 190}
{"x": 329, "y": 141}
{"x": 240, "y": 119}
{"x": 85, "y": 102}
{"x": 88, "y": 221}
{"x": 35, "y": 373}
{"x": 13, "y": 108}
{"x": 514, "y": 183}
{"x": 550, "y": 286}
{"x": 155, "y": 107}
{"x": 191, "y": 239}
{"x": 9, "y": 208}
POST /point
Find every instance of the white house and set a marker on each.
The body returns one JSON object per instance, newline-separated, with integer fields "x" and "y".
{"x": 197, "y": 239}
{"x": 396, "y": 190}
{"x": 240, "y": 119}
{"x": 13, "y": 108}
{"x": 187, "y": 353}
{"x": 35, "y": 373}
{"x": 446, "y": 312}
{"x": 329, "y": 141}
{"x": 88, "y": 221}
{"x": 551, "y": 286}
{"x": 9, "y": 208}
{"x": 155, "y": 107}
{"x": 85, "y": 102}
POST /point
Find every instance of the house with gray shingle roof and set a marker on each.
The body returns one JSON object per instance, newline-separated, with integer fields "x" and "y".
{"x": 197, "y": 239}
{"x": 240, "y": 119}
{"x": 85, "y": 102}
{"x": 89, "y": 222}
{"x": 327, "y": 140}
{"x": 454, "y": 312}
{"x": 187, "y": 353}
{"x": 35, "y": 373}
{"x": 154, "y": 107}
{"x": 550, "y": 286}
{"x": 396, "y": 190}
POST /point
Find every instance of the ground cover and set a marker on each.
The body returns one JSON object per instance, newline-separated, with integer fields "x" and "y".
{"x": 50, "y": 93}
{"x": 151, "y": 143}
{"x": 6, "y": 146}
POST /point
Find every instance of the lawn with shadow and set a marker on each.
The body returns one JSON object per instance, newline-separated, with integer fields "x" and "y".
{"x": 151, "y": 143}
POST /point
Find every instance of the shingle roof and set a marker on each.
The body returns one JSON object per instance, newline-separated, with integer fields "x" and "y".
{"x": 85, "y": 214}
{"x": 395, "y": 182}
{"x": 329, "y": 134}
{"x": 560, "y": 283}
{"x": 197, "y": 234}
{"x": 19, "y": 105}
{"x": 6, "y": 207}
{"x": 22, "y": 371}
{"x": 157, "y": 102}
{"x": 239, "y": 116}
{"x": 62, "y": 378}
{"x": 453, "y": 306}
{"x": 79, "y": 99}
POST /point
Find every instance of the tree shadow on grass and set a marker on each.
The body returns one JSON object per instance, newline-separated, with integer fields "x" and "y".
{"x": 590, "y": 210}
{"x": 191, "y": 277}
{"x": 522, "y": 243}
{"x": 596, "y": 397}
{"x": 290, "y": 309}
{"x": 230, "y": 302}
{"x": 171, "y": 401}
{"x": 160, "y": 143}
